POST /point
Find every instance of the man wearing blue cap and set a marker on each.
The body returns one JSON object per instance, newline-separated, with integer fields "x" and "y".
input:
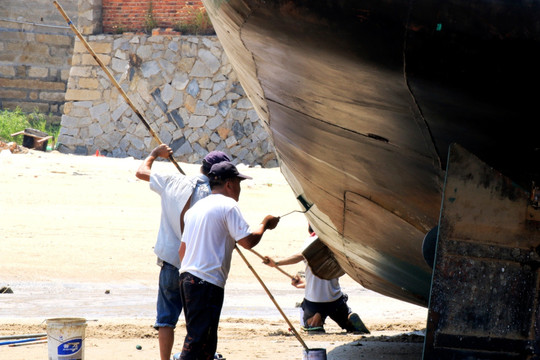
{"x": 178, "y": 192}
{"x": 213, "y": 227}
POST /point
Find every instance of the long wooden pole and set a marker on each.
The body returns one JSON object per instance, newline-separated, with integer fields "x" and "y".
{"x": 44, "y": 341}
{"x": 273, "y": 300}
{"x": 277, "y": 267}
{"x": 113, "y": 80}
{"x": 23, "y": 336}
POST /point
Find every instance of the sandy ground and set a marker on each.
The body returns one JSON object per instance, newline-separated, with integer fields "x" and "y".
{"x": 77, "y": 234}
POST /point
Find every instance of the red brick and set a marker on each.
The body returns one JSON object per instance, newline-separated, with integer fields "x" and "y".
{"x": 130, "y": 14}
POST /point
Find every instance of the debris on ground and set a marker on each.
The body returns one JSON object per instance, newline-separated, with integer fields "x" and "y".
{"x": 13, "y": 147}
{"x": 6, "y": 290}
{"x": 34, "y": 139}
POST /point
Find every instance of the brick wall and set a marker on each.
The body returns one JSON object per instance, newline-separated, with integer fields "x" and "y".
{"x": 129, "y": 15}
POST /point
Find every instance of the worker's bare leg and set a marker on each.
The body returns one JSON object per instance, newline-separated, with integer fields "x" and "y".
{"x": 315, "y": 321}
{"x": 166, "y": 341}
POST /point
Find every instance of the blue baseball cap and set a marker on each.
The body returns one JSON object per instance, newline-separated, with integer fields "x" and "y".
{"x": 214, "y": 157}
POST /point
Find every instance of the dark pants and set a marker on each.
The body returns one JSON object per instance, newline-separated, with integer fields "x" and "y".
{"x": 337, "y": 310}
{"x": 202, "y": 307}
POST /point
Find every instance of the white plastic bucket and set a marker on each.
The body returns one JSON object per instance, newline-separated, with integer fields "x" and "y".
{"x": 65, "y": 338}
{"x": 314, "y": 354}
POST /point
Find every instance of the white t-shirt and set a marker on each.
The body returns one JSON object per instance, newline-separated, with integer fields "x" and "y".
{"x": 175, "y": 190}
{"x": 212, "y": 227}
{"x": 317, "y": 289}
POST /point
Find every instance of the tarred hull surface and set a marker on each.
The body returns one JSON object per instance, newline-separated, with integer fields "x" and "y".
{"x": 363, "y": 98}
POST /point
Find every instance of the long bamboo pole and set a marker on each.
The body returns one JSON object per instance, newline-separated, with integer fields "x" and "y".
{"x": 113, "y": 80}
{"x": 273, "y": 300}
{"x": 277, "y": 267}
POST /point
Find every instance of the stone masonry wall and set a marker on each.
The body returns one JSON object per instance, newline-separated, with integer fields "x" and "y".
{"x": 185, "y": 88}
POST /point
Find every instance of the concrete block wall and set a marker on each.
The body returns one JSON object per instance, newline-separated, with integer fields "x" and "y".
{"x": 35, "y": 55}
{"x": 36, "y": 45}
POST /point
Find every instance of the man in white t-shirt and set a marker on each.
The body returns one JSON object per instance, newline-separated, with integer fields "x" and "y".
{"x": 178, "y": 192}
{"x": 213, "y": 227}
{"x": 322, "y": 298}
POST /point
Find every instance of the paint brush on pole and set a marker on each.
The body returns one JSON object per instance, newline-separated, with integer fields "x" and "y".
{"x": 305, "y": 204}
{"x": 113, "y": 80}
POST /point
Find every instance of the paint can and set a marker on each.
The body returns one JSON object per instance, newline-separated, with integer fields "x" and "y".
{"x": 65, "y": 338}
{"x": 314, "y": 354}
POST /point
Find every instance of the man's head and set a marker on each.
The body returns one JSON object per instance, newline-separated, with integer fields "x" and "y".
{"x": 225, "y": 179}
{"x": 212, "y": 158}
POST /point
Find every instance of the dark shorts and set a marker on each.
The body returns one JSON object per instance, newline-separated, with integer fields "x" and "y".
{"x": 169, "y": 302}
{"x": 202, "y": 307}
{"x": 337, "y": 310}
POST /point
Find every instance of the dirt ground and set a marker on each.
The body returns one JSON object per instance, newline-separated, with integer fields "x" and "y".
{"x": 77, "y": 234}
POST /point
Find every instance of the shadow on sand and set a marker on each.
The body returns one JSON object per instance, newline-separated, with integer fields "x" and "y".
{"x": 406, "y": 346}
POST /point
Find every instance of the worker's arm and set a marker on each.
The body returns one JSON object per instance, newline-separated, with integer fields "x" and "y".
{"x": 182, "y": 251}
{"x": 293, "y": 259}
{"x": 268, "y": 223}
{"x": 144, "y": 171}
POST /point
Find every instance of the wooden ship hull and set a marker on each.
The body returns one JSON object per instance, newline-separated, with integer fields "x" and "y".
{"x": 363, "y": 99}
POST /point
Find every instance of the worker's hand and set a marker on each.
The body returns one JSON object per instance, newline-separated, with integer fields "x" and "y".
{"x": 297, "y": 282}
{"x": 270, "y": 222}
{"x": 162, "y": 150}
{"x": 269, "y": 261}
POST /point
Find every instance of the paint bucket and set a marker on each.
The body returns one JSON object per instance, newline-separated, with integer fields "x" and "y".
{"x": 314, "y": 354}
{"x": 65, "y": 338}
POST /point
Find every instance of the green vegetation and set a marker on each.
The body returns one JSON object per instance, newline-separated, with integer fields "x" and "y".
{"x": 118, "y": 29}
{"x": 197, "y": 23}
{"x": 149, "y": 21}
{"x": 15, "y": 121}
